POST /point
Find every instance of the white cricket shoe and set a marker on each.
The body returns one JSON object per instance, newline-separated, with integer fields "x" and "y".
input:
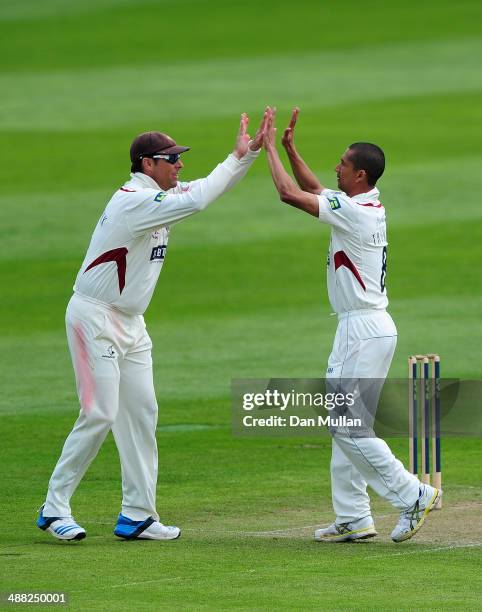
{"x": 148, "y": 529}
{"x": 62, "y": 528}
{"x": 413, "y": 518}
{"x": 158, "y": 531}
{"x": 360, "y": 529}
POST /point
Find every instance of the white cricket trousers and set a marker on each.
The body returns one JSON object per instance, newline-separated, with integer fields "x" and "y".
{"x": 111, "y": 355}
{"x": 364, "y": 345}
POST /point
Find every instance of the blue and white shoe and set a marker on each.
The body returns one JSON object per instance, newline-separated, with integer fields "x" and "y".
{"x": 148, "y": 529}
{"x": 63, "y": 528}
{"x": 414, "y": 517}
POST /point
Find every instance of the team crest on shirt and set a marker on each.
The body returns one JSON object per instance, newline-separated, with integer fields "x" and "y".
{"x": 159, "y": 197}
{"x": 334, "y": 203}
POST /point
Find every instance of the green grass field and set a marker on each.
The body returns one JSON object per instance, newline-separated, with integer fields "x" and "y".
{"x": 242, "y": 293}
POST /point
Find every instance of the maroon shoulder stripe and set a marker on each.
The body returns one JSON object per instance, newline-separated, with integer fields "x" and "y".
{"x": 342, "y": 259}
{"x": 117, "y": 255}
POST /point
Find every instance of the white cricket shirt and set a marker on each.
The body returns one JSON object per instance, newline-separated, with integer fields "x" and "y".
{"x": 357, "y": 257}
{"x": 129, "y": 243}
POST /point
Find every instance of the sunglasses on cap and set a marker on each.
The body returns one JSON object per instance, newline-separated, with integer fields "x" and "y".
{"x": 171, "y": 159}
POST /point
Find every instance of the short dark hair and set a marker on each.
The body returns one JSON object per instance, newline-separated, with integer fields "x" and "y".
{"x": 368, "y": 157}
{"x": 136, "y": 166}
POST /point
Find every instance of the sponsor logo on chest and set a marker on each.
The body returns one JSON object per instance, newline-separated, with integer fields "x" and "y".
{"x": 158, "y": 252}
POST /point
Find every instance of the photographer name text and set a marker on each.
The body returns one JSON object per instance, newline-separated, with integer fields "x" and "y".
{"x": 296, "y": 421}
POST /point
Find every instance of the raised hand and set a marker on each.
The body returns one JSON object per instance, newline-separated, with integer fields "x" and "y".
{"x": 288, "y": 135}
{"x": 243, "y": 138}
{"x": 257, "y": 141}
{"x": 270, "y": 131}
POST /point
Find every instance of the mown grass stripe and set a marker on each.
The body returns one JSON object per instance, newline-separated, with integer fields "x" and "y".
{"x": 64, "y": 99}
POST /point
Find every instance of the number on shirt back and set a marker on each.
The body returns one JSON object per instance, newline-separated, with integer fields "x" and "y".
{"x": 384, "y": 269}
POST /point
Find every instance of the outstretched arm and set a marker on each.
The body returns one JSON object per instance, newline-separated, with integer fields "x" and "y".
{"x": 288, "y": 190}
{"x": 152, "y": 209}
{"x": 305, "y": 178}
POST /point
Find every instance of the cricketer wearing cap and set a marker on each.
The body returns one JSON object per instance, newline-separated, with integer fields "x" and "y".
{"x": 366, "y": 336}
{"x": 108, "y": 341}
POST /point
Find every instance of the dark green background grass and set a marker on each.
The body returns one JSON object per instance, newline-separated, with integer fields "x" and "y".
{"x": 242, "y": 293}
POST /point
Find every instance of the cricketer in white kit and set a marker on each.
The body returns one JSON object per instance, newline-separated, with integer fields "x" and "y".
{"x": 107, "y": 337}
{"x": 366, "y": 336}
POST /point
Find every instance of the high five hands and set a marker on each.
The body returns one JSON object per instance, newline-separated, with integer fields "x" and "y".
{"x": 266, "y": 133}
{"x": 244, "y": 141}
